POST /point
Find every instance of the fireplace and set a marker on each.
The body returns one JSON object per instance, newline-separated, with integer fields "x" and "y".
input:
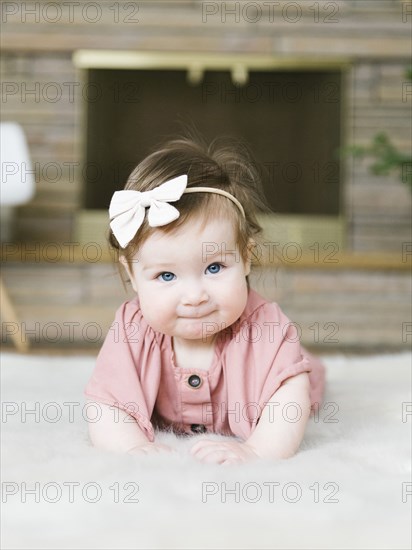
{"x": 289, "y": 113}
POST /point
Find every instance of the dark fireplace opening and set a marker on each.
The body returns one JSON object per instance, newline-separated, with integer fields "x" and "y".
{"x": 290, "y": 120}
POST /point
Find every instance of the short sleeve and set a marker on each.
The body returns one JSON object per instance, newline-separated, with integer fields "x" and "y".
{"x": 263, "y": 353}
{"x": 127, "y": 370}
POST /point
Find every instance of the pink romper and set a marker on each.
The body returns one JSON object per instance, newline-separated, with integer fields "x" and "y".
{"x": 136, "y": 371}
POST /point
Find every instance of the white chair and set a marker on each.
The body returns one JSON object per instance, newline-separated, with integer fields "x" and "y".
{"x": 17, "y": 187}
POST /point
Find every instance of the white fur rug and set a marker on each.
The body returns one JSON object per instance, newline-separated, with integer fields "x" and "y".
{"x": 348, "y": 487}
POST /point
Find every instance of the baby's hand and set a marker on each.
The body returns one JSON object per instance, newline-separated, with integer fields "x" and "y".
{"x": 223, "y": 452}
{"x": 148, "y": 448}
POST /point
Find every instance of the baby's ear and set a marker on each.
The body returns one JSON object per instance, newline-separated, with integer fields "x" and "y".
{"x": 123, "y": 261}
{"x": 250, "y": 246}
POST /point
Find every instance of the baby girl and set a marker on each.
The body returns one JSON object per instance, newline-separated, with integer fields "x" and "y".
{"x": 197, "y": 351}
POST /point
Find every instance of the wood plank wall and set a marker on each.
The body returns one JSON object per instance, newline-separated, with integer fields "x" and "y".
{"x": 38, "y": 79}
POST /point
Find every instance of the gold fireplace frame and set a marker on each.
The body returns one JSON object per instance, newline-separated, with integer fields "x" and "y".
{"x": 305, "y": 230}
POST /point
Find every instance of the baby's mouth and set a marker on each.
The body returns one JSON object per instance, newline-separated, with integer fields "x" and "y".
{"x": 197, "y": 315}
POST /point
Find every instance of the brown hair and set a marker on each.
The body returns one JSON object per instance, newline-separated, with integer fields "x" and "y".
{"x": 223, "y": 164}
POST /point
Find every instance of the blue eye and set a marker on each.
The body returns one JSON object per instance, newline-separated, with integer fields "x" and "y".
{"x": 215, "y": 268}
{"x": 166, "y": 276}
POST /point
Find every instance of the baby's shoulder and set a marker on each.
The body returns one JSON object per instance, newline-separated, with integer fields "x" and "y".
{"x": 129, "y": 316}
{"x": 259, "y": 309}
{"x": 129, "y": 311}
{"x": 131, "y": 328}
{"x": 131, "y": 308}
{"x": 261, "y": 324}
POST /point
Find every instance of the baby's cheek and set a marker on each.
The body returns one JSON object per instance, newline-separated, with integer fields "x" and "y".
{"x": 236, "y": 299}
{"x": 156, "y": 315}
{"x": 230, "y": 312}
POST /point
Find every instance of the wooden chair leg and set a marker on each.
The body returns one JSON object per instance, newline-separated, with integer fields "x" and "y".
{"x": 9, "y": 315}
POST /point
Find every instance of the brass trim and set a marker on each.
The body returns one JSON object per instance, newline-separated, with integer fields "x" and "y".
{"x": 81, "y": 131}
{"x": 129, "y": 59}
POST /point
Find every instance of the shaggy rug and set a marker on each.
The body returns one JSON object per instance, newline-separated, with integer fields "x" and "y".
{"x": 349, "y": 486}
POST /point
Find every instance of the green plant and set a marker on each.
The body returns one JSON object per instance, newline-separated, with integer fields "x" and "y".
{"x": 387, "y": 158}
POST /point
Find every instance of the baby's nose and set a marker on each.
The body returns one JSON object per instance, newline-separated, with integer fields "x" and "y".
{"x": 195, "y": 295}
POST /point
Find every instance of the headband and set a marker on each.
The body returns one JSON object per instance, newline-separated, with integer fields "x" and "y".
{"x": 127, "y": 208}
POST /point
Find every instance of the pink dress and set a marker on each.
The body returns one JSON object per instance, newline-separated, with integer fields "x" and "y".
{"x": 135, "y": 371}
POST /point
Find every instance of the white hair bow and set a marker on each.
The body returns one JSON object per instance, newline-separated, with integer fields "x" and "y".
{"x": 127, "y": 208}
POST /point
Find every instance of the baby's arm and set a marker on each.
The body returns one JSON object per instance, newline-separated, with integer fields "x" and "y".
{"x": 120, "y": 433}
{"x": 277, "y": 434}
{"x": 274, "y": 437}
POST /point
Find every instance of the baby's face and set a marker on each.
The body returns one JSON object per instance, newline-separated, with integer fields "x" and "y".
{"x": 191, "y": 284}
